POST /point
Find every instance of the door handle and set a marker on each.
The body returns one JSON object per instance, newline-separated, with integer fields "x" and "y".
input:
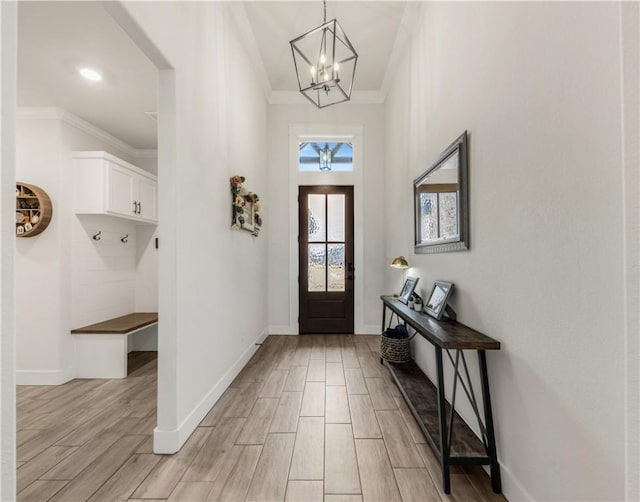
{"x": 139, "y": 207}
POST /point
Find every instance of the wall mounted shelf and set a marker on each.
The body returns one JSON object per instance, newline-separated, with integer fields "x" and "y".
{"x": 33, "y": 210}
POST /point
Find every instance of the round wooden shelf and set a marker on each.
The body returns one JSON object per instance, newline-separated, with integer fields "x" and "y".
{"x": 32, "y": 201}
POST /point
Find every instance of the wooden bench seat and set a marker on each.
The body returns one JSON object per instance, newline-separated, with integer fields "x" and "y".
{"x": 101, "y": 349}
{"x": 119, "y": 325}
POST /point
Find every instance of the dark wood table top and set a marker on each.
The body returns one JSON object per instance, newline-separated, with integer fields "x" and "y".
{"x": 119, "y": 325}
{"x": 446, "y": 334}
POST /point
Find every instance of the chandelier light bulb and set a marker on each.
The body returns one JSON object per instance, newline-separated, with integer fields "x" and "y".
{"x": 336, "y": 66}
{"x": 326, "y": 76}
{"x": 323, "y": 59}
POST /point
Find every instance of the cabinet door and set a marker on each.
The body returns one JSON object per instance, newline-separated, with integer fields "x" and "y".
{"x": 147, "y": 195}
{"x": 121, "y": 190}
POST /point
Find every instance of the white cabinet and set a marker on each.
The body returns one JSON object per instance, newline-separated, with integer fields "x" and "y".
{"x": 104, "y": 184}
{"x": 147, "y": 195}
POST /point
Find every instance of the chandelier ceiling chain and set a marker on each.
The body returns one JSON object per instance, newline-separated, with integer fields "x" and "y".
{"x": 325, "y": 63}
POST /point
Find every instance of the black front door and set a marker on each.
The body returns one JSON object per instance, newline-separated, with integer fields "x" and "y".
{"x": 326, "y": 259}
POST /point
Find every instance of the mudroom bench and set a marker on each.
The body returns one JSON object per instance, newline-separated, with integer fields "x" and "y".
{"x": 451, "y": 438}
{"x": 102, "y": 348}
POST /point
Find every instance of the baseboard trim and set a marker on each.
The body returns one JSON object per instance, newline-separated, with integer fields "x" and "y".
{"x": 44, "y": 377}
{"x": 170, "y": 441}
{"x": 512, "y": 489}
{"x": 288, "y": 330}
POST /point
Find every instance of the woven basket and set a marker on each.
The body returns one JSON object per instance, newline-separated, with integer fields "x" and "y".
{"x": 395, "y": 350}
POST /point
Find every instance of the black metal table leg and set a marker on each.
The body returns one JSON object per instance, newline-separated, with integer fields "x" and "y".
{"x": 496, "y": 482}
{"x": 442, "y": 419}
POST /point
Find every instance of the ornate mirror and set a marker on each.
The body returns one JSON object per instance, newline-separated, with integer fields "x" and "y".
{"x": 441, "y": 198}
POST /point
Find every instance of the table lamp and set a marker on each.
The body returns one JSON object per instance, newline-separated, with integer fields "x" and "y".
{"x": 399, "y": 262}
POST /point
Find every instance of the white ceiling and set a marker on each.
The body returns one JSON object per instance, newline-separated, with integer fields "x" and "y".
{"x": 372, "y": 28}
{"x": 55, "y": 38}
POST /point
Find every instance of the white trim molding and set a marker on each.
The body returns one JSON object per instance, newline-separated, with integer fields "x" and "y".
{"x": 45, "y": 377}
{"x": 52, "y": 113}
{"x": 355, "y": 133}
{"x": 170, "y": 441}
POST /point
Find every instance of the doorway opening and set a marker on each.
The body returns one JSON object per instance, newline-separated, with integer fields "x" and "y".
{"x": 326, "y": 259}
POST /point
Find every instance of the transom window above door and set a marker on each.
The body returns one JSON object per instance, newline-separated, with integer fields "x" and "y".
{"x": 317, "y": 156}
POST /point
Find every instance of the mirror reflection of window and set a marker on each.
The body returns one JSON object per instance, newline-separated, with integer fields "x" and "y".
{"x": 438, "y": 196}
{"x": 441, "y": 199}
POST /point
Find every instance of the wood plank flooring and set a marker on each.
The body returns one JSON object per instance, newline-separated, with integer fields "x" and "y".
{"x": 310, "y": 418}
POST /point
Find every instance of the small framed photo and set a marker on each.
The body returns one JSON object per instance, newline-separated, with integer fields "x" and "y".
{"x": 438, "y": 299}
{"x": 407, "y": 289}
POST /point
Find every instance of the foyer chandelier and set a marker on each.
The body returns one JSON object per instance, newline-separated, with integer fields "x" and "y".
{"x": 325, "y": 63}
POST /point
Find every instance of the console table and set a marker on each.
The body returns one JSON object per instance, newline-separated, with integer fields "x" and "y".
{"x": 450, "y": 437}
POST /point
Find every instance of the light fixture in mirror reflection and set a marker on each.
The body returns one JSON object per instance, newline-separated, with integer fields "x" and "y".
{"x": 441, "y": 200}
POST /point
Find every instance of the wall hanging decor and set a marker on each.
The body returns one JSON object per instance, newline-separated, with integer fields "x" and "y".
{"x": 33, "y": 210}
{"x": 245, "y": 207}
{"x": 441, "y": 198}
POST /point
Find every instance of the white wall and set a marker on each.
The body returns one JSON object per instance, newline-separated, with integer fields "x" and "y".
{"x": 213, "y": 281}
{"x": 630, "y": 44}
{"x": 537, "y": 85}
{"x": 371, "y": 119}
{"x": 65, "y": 279}
{"x": 103, "y": 271}
{"x": 8, "y": 44}
{"x": 43, "y": 289}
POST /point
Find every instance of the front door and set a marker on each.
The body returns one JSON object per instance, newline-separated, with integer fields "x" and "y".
{"x": 326, "y": 259}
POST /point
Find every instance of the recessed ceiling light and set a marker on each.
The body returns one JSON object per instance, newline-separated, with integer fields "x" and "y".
{"x": 90, "y": 74}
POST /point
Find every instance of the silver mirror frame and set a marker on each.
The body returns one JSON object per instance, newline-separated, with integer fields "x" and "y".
{"x": 460, "y": 145}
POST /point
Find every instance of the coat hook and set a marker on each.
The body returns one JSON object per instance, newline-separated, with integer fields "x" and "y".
{"x": 97, "y": 237}
{"x": 124, "y": 239}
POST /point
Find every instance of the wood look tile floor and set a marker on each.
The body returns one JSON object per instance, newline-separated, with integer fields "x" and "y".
{"x": 310, "y": 418}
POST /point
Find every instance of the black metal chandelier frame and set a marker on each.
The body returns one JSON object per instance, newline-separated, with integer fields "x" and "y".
{"x": 332, "y": 33}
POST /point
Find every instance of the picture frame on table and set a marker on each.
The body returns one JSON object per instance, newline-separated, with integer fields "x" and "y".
{"x": 407, "y": 289}
{"x": 437, "y": 302}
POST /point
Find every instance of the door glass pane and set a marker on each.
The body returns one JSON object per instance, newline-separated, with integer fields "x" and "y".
{"x": 317, "y": 264}
{"x": 336, "y": 267}
{"x": 335, "y": 223}
{"x": 317, "y": 225}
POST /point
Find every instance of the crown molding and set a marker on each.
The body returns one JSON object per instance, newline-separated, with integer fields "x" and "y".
{"x": 295, "y": 98}
{"x": 52, "y": 113}
{"x": 141, "y": 153}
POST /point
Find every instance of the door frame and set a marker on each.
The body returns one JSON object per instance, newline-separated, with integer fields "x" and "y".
{"x": 303, "y": 256}
{"x": 326, "y": 132}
